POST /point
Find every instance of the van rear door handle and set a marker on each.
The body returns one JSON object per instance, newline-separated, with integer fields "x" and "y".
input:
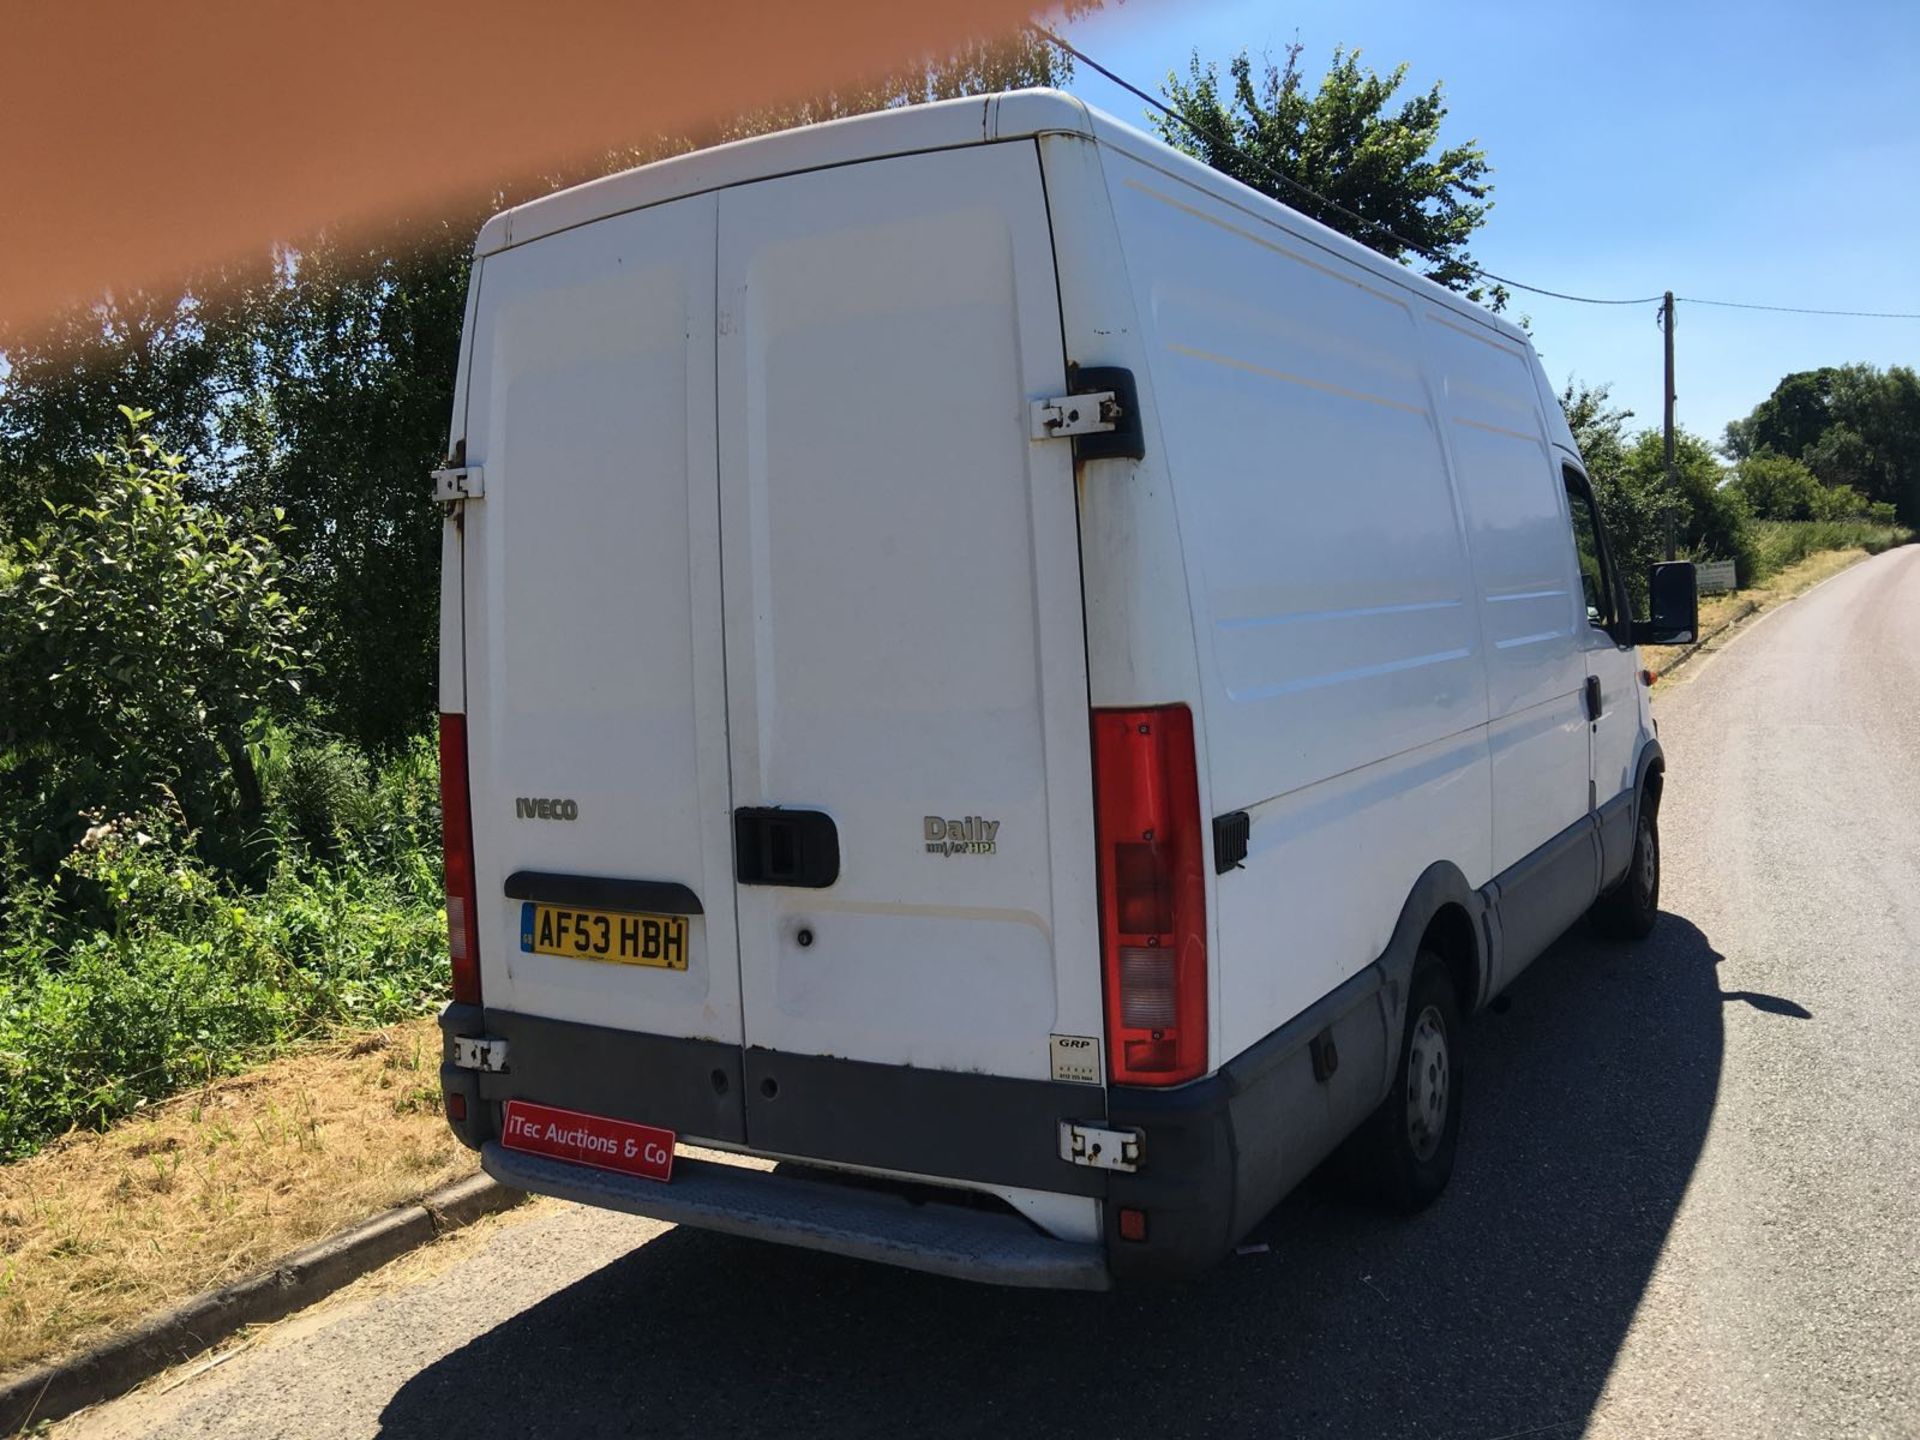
{"x": 1593, "y": 697}
{"x": 775, "y": 846}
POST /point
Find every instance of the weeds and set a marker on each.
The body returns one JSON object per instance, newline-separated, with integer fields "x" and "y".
{"x": 138, "y": 970}
{"x": 1778, "y": 544}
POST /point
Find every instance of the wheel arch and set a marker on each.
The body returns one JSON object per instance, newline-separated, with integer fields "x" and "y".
{"x": 1445, "y": 914}
{"x": 1649, "y": 776}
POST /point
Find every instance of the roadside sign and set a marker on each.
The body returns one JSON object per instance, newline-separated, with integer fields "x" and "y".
{"x": 1716, "y": 576}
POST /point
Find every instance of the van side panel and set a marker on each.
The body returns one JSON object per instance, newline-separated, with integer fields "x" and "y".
{"x": 1331, "y": 598}
{"x": 1511, "y": 490}
{"x": 592, "y": 608}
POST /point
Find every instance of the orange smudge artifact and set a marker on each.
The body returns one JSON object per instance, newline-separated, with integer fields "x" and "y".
{"x": 138, "y": 141}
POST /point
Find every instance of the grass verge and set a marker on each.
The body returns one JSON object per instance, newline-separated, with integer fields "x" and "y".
{"x": 98, "y": 1231}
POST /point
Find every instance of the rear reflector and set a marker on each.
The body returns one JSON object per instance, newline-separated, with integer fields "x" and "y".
{"x": 456, "y": 1105}
{"x": 456, "y": 841}
{"x": 1153, "y": 922}
{"x": 1146, "y": 989}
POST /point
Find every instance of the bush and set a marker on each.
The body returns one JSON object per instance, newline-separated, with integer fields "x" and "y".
{"x": 1710, "y": 517}
{"x": 1776, "y": 487}
{"x": 318, "y": 789}
{"x": 1780, "y": 543}
{"x": 143, "y": 639}
{"x": 178, "y": 977}
{"x": 1843, "y": 502}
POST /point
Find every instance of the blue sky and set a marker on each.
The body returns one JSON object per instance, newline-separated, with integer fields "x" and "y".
{"x": 1765, "y": 152}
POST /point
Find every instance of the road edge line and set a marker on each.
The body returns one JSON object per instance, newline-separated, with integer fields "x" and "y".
{"x": 119, "y": 1364}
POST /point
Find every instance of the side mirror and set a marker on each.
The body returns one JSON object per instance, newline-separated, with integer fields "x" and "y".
{"x": 1673, "y": 598}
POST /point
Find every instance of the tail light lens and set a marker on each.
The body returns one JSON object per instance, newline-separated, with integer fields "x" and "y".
{"x": 456, "y": 838}
{"x": 1153, "y": 920}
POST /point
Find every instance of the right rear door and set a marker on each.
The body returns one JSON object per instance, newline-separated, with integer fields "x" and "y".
{"x": 904, "y": 636}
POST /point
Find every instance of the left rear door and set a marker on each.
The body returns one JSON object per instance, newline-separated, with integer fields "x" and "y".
{"x": 596, "y": 685}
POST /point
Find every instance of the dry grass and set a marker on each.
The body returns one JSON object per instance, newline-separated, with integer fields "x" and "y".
{"x": 99, "y": 1231}
{"x": 1720, "y": 613}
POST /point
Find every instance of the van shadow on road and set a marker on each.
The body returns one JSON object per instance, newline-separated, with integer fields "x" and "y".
{"x": 1499, "y": 1310}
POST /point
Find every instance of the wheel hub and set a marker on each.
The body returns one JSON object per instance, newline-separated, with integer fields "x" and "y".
{"x": 1429, "y": 1080}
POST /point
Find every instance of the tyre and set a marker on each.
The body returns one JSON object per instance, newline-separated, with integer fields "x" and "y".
{"x": 1403, "y": 1154}
{"x": 1627, "y": 911}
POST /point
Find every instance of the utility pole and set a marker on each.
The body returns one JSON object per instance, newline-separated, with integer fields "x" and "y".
{"x": 1666, "y": 324}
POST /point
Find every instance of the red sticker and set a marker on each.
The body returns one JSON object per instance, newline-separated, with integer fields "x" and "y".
{"x": 643, "y": 1150}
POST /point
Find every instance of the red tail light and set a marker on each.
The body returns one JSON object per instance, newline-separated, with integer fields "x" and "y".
{"x": 456, "y": 838}
{"x": 1153, "y": 898}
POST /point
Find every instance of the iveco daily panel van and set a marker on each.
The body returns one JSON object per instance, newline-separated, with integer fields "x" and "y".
{"x": 1007, "y": 673}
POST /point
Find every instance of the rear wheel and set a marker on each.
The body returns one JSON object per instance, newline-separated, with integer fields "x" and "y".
{"x": 1405, "y": 1150}
{"x": 1627, "y": 911}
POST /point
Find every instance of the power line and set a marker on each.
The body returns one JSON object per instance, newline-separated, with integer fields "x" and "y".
{"x": 1413, "y": 245}
{"x": 1804, "y": 309}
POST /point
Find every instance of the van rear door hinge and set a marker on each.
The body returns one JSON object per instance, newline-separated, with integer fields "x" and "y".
{"x": 458, "y": 482}
{"x": 1067, "y": 415}
{"x": 1100, "y": 1148}
{"x": 1101, "y": 414}
{"x": 479, "y": 1052}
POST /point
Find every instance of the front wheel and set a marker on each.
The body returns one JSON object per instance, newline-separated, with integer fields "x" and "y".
{"x": 1406, "y": 1148}
{"x": 1627, "y": 911}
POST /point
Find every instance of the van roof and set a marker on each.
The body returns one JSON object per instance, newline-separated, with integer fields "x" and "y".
{"x": 940, "y": 125}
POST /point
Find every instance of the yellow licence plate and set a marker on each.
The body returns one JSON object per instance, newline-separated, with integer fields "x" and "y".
{"x": 622, "y": 937}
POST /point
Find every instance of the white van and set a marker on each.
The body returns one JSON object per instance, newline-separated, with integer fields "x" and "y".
{"x": 995, "y": 667}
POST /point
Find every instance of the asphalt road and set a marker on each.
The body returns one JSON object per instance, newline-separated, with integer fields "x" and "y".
{"x": 1688, "y": 1199}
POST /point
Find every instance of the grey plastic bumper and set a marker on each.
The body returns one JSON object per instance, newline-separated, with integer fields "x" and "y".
{"x": 940, "y": 1239}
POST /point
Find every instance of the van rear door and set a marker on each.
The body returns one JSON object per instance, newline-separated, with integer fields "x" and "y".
{"x": 905, "y": 648}
{"x": 595, "y": 682}
{"x": 767, "y": 566}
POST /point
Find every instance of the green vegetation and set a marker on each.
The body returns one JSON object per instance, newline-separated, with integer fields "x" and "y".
{"x": 1766, "y": 514}
{"x": 167, "y": 973}
{"x": 1777, "y": 544}
{"x": 191, "y": 873}
{"x": 143, "y": 638}
{"x": 1851, "y": 426}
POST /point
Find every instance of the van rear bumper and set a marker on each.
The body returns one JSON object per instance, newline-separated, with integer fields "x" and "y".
{"x": 951, "y": 1240}
{"x": 1217, "y": 1153}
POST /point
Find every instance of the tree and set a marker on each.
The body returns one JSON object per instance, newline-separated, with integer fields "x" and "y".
{"x": 144, "y": 637}
{"x": 347, "y": 376}
{"x": 1787, "y": 421}
{"x": 1710, "y": 517}
{"x": 1632, "y": 502}
{"x": 1851, "y": 425}
{"x": 1343, "y": 142}
{"x": 1778, "y": 487}
{"x": 60, "y": 379}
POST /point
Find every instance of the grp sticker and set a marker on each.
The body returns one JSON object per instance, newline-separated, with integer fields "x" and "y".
{"x": 1076, "y": 1058}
